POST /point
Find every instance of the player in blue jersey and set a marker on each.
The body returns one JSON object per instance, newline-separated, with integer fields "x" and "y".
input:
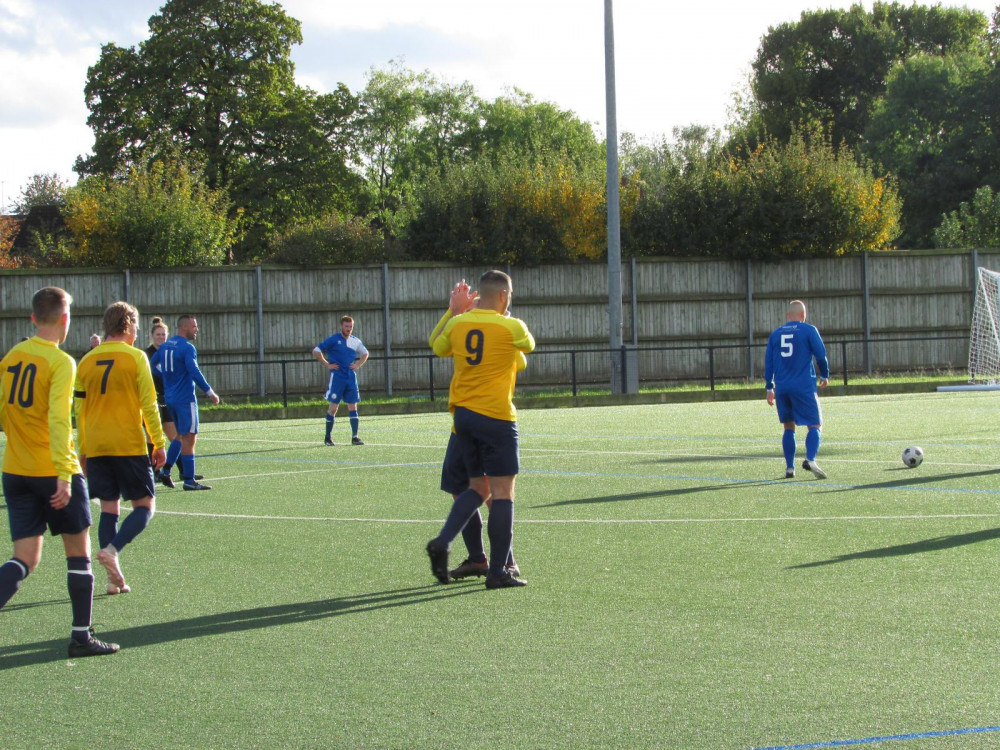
{"x": 176, "y": 362}
{"x": 343, "y": 355}
{"x": 790, "y": 377}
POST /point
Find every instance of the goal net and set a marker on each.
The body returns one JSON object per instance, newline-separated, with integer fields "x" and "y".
{"x": 984, "y": 339}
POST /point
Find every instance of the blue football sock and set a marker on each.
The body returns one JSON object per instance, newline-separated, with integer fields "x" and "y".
{"x": 788, "y": 447}
{"x": 173, "y": 453}
{"x": 812, "y": 443}
{"x": 329, "y": 426}
{"x": 472, "y": 535}
{"x": 461, "y": 511}
{"x": 80, "y": 582}
{"x": 354, "y": 423}
{"x": 107, "y": 527}
{"x": 12, "y": 573}
{"x": 187, "y": 467}
{"x": 134, "y": 525}
{"x": 500, "y": 527}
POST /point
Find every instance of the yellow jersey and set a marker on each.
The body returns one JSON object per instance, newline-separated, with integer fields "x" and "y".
{"x": 115, "y": 395}
{"x": 488, "y": 351}
{"x": 36, "y": 405}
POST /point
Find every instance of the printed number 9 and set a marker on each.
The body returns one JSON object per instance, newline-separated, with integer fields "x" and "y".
{"x": 474, "y": 345}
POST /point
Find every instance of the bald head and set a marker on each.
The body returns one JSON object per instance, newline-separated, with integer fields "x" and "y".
{"x": 796, "y": 310}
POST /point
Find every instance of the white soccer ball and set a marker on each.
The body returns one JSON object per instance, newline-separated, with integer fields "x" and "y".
{"x": 913, "y": 456}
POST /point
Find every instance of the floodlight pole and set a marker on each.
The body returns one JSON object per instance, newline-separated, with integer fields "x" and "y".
{"x": 614, "y": 220}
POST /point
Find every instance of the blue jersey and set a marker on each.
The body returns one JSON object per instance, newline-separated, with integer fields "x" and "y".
{"x": 342, "y": 352}
{"x": 788, "y": 363}
{"x": 177, "y": 363}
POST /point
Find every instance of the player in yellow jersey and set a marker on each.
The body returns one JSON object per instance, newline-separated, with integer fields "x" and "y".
{"x": 115, "y": 397}
{"x": 487, "y": 347}
{"x": 42, "y": 482}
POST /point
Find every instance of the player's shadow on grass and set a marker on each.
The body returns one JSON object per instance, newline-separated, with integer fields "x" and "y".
{"x": 695, "y": 459}
{"x": 221, "y": 623}
{"x": 621, "y": 497}
{"x": 911, "y": 481}
{"x": 934, "y": 544}
{"x": 254, "y": 451}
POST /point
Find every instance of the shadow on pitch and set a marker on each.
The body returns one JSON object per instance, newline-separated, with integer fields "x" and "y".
{"x": 912, "y": 480}
{"x": 53, "y": 650}
{"x": 934, "y": 544}
{"x": 625, "y": 496}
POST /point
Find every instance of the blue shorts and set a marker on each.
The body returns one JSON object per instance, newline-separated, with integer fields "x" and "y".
{"x": 28, "y": 508}
{"x": 342, "y": 388}
{"x": 185, "y": 417}
{"x": 112, "y": 477}
{"x": 479, "y": 446}
{"x": 799, "y": 407}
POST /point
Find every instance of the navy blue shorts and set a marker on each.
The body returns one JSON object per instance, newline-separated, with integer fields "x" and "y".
{"x": 185, "y": 417}
{"x": 454, "y": 478}
{"x": 479, "y": 446}
{"x": 28, "y": 508}
{"x": 799, "y": 407}
{"x": 113, "y": 477}
{"x": 342, "y": 388}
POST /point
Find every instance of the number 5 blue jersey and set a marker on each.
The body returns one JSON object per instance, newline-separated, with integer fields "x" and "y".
{"x": 788, "y": 363}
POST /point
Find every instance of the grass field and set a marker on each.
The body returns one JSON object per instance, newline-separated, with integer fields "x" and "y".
{"x": 682, "y": 594}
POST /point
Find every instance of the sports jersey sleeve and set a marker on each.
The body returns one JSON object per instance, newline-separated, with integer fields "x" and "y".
{"x": 147, "y": 397}
{"x": 437, "y": 332}
{"x": 523, "y": 340}
{"x": 819, "y": 351}
{"x": 191, "y": 365}
{"x": 60, "y": 412}
{"x": 769, "y": 364}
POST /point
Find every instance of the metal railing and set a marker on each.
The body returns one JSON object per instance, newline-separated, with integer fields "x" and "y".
{"x": 629, "y": 359}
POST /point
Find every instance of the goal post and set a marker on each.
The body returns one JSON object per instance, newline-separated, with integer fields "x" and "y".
{"x": 984, "y": 338}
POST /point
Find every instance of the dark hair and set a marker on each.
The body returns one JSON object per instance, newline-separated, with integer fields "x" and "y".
{"x": 491, "y": 282}
{"x": 157, "y": 322}
{"x": 118, "y": 316}
{"x": 48, "y": 304}
{"x": 184, "y": 319}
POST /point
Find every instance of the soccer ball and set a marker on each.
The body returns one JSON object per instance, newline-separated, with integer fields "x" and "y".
{"x": 913, "y": 456}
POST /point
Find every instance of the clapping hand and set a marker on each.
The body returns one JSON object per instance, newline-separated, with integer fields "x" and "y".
{"x": 463, "y": 298}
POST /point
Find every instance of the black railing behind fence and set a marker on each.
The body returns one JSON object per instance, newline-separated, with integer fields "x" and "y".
{"x": 626, "y": 352}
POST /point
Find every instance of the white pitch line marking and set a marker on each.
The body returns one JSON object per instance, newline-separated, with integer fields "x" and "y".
{"x": 768, "y": 519}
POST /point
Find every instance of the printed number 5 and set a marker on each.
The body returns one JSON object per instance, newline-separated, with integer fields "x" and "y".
{"x": 786, "y": 345}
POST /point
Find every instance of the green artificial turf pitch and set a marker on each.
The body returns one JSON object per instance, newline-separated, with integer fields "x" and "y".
{"x": 681, "y": 592}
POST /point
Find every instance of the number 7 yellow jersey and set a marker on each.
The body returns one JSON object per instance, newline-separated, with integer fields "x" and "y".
{"x": 36, "y": 404}
{"x": 488, "y": 350}
{"x": 114, "y": 397}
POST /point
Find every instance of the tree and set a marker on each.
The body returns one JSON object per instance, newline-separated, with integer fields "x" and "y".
{"x": 831, "y": 66}
{"x": 155, "y": 217}
{"x": 973, "y": 224}
{"x": 771, "y": 201}
{"x": 41, "y": 190}
{"x": 8, "y": 233}
{"x": 215, "y": 80}
{"x": 935, "y": 131}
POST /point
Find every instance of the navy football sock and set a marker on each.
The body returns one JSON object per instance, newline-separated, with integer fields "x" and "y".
{"x": 134, "y": 525}
{"x": 461, "y": 511}
{"x": 472, "y": 534}
{"x": 354, "y": 424}
{"x": 80, "y": 582}
{"x": 329, "y": 426}
{"x": 812, "y": 443}
{"x": 500, "y": 527}
{"x": 107, "y": 527}
{"x": 12, "y": 573}
{"x": 788, "y": 447}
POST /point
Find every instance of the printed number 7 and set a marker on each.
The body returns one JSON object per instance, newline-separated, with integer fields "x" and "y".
{"x": 108, "y": 363}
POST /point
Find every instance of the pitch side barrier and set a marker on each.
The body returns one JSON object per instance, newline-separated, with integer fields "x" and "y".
{"x": 629, "y": 363}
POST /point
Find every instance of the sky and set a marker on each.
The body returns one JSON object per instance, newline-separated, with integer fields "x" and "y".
{"x": 676, "y": 63}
